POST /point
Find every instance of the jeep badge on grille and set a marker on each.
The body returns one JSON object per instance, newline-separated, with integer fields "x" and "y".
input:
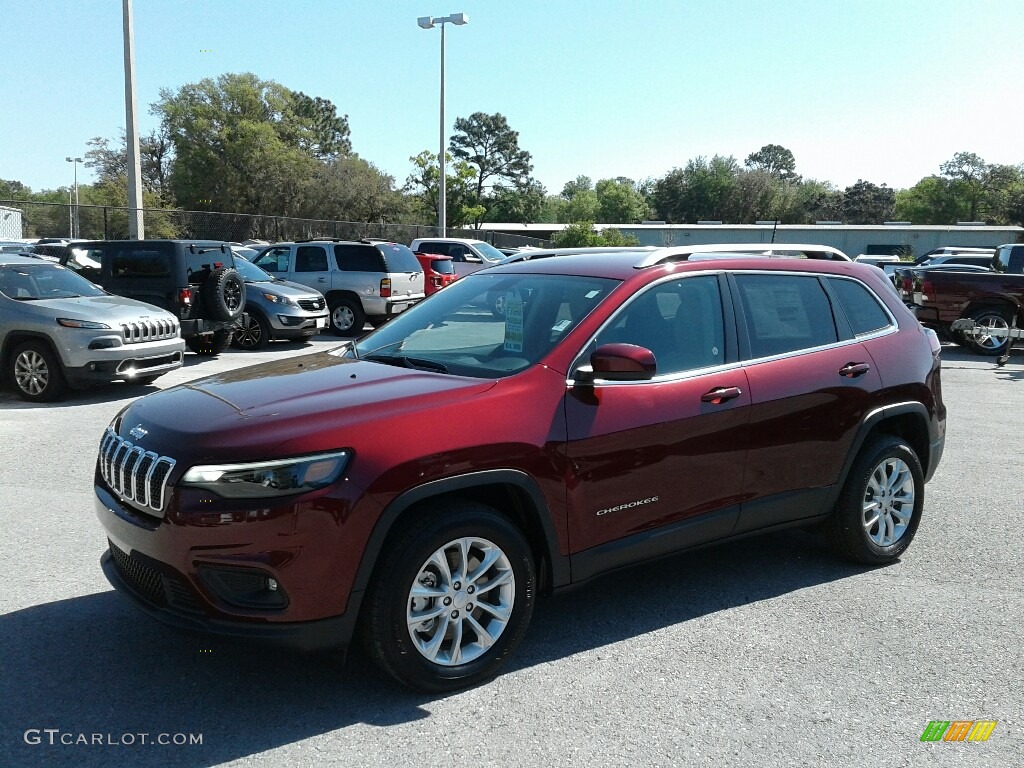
{"x": 138, "y": 432}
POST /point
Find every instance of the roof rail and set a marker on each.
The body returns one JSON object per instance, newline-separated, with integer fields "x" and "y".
{"x": 742, "y": 251}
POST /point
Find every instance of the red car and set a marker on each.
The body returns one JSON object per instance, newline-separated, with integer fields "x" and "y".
{"x": 438, "y": 271}
{"x": 427, "y": 482}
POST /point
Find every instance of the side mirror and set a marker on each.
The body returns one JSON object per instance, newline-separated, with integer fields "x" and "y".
{"x": 618, "y": 362}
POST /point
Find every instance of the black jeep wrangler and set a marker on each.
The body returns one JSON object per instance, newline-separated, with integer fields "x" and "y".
{"x": 194, "y": 279}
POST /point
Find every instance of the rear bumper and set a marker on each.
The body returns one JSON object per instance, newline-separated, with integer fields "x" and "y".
{"x": 925, "y": 315}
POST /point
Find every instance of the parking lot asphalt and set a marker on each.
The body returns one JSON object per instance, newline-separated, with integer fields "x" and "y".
{"x": 764, "y": 652}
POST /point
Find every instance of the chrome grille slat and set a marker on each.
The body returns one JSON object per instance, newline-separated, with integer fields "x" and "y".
{"x": 133, "y": 473}
{"x": 148, "y": 330}
{"x": 312, "y": 304}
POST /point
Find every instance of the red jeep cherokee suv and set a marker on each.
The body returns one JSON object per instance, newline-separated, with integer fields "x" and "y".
{"x": 426, "y": 483}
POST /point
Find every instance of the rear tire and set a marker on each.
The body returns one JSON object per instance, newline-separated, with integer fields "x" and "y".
{"x": 469, "y": 573}
{"x": 210, "y": 344}
{"x": 990, "y": 317}
{"x": 36, "y": 373}
{"x": 880, "y": 506}
{"x": 347, "y": 316}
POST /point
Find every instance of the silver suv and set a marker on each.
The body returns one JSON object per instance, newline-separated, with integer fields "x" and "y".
{"x": 58, "y": 329}
{"x": 362, "y": 280}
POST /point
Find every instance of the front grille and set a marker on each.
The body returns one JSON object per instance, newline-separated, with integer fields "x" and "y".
{"x": 140, "y": 577}
{"x": 161, "y": 590}
{"x": 149, "y": 330}
{"x": 137, "y": 475}
{"x": 311, "y": 305}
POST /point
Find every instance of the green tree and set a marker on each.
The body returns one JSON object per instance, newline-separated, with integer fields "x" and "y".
{"x": 424, "y": 184}
{"x": 867, "y": 203}
{"x": 156, "y": 155}
{"x": 491, "y": 147}
{"x": 968, "y": 177}
{"x": 522, "y": 205}
{"x": 620, "y": 202}
{"x": 246, "y": 144}
{"x": 933, "y": 200}
{"x": 576, "y": 186}
{"x": 14, "y": 190}
{"x": 582, "y": 234}
{"x": 775, "y": 160}
{"x": 699, "y": 191}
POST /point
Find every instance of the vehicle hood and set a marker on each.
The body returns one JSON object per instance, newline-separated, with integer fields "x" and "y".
{"x": 252, "y": 412}
{"x": 285, "y": 288}
{"x": 111, "y": 310}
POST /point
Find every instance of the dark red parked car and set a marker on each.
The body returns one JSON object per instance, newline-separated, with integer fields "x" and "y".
{"x": 438, "y": 271}
{"x": 429, "y": 481}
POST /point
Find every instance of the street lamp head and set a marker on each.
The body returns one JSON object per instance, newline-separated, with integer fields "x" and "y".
{"x": 459, "y": 18}
{"x": 425, "y": 22}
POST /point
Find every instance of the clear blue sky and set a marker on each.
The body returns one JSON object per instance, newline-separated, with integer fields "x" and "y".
{"x": 883, "y": 90}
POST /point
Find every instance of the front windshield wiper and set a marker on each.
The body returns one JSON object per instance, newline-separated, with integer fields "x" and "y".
{"x": 405, "y": 361}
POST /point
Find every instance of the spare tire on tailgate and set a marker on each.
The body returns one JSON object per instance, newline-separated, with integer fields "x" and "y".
{"x": 224, "y": 294}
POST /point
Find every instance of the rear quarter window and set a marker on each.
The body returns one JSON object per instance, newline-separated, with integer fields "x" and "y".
{"x": 141, "y": 262}
{"x": 359, "y": 258}
{"x": 785, "y": 313}
{"x": 399, "y": 258}
{"x": 442, "y": 266}
{"x": 862, "y": 309}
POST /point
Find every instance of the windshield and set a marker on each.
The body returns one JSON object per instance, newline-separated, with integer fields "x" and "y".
{"x": 29, "y": 282}
{"x": 487, "y": 325}
{"x": 488, "y": 251}
{"x": 251, "y": 273}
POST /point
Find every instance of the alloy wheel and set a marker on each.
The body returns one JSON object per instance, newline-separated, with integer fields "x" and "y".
{"x": 461, "y": 601}
{"x": 31, "y": 372}
{"x": 250, "y": 334}
{"x": 888, "y": 502}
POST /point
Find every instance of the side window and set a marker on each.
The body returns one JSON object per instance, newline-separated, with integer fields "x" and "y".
{"x": 274, "y": 260}
{"x": 785, "y": 313}
{"x": 311, "y": 258}
{"x": 429, "y": 247}
{"x": 358, "y": 258}
{"x": 681, "y": 322}
{"x": 860, "y": 305}
{"x": 140, "y": 262}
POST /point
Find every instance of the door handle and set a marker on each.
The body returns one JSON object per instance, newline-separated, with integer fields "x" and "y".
{"x": 719, "y": 395}
{"x": 853, "y": 370}
{"x": 321, "y": 279}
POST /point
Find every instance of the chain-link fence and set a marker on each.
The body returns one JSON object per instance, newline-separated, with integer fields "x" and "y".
{"x": 102, "y": 222}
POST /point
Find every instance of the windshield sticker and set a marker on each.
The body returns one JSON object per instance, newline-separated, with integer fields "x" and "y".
{"x": 561, "y": 325}
{"x": 513, "y": 322}
{"x": 592, "y": 294}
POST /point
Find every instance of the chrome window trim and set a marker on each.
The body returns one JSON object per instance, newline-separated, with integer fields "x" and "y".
{"x": 622, "y": 307}
{"x": 693, "y": 373}
{"x": 893, "y": 323}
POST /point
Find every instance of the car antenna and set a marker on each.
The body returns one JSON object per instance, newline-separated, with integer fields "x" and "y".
{"x": 775, "y": 226}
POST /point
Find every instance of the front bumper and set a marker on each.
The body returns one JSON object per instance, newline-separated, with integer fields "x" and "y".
{"x": 177, "y": 610}
{"x": 291, "y": 324}
{"x": 184, "y": 570}
{"x": 127, "y": 362}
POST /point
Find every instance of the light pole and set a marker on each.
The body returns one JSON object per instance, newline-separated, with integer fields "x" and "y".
{"x": 428, "y": 22}
{"x": 73, "y": 212}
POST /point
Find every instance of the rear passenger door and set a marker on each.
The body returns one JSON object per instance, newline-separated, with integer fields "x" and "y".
{"x": 811, "y": 385}
{"x": 312, "y": 267}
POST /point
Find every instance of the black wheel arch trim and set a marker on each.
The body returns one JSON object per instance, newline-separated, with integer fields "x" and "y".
{"x": 559, "y": 564}
{"x": 872, "y": 420}
{"x": 16, "y": 338}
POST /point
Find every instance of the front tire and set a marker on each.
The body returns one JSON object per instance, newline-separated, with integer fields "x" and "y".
{"x": 35, "y": 372}
{"x": 452, "y": 598}
{"x": 210, "y": 344}
{"x": 994, "y": 318}
{"x": 880, "y": 506}
{"x": 347, "y": 316}
{"x": 253, "y": 333}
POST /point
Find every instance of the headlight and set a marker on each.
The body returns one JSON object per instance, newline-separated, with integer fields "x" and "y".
{"x": 69, "y": 323}
{"x": 262, "y": 479}
{"x": 278, "y": 299}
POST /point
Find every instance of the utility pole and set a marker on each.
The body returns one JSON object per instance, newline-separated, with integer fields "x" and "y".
{"x": 136, "y": 228}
